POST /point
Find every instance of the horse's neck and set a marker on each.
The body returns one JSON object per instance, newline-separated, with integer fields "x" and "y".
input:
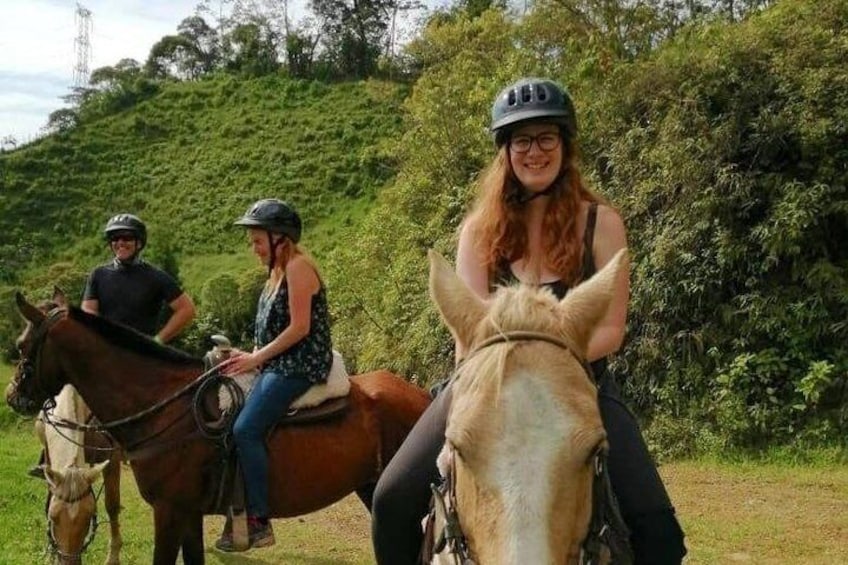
{"x": 117, "y": 383}
{"x": 65, "y": 444}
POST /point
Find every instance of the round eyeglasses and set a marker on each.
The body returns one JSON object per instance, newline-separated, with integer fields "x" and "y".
{"x": 547, "y": 141}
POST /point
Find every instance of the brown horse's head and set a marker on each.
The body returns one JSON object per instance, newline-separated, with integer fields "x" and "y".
{"x": 524, "y": 425}
{"x": 37, "y": 375}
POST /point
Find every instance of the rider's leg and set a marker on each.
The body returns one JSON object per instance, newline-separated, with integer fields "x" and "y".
{"x": 265, "y": 405}
{"x": 37, "y": 470}
{"x": 656, "y": 536}
{"x": 402, "y": 496}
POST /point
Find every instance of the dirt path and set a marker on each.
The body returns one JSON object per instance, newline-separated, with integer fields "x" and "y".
{"x": 757, "y": 514}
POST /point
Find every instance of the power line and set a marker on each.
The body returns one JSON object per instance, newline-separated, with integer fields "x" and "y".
{"x": 82, "y": 45}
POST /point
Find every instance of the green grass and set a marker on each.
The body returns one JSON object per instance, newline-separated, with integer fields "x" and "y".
{"x": 733, "y": 511}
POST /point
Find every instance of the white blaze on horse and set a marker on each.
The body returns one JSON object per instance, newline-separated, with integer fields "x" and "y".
{"x": 524, "y": 426}
{"x": 72, "y": 502}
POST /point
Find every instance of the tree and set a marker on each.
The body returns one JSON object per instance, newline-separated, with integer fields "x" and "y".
{"x": 63, "y": 119}
{"x": 300, "y": 51}
{"x": 174, "y": 56}
{"x": 251, "y": 49}
{"x": 207, "y": 47}
{"x": 353, "y": 33}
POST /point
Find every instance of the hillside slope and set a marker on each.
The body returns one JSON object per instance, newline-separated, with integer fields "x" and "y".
{"x": 191, "y": 159}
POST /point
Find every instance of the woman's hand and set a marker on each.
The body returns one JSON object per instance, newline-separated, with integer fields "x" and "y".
{"x": 240, "y": 362}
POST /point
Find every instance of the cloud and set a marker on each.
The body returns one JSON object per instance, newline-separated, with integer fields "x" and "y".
{"x": 38, "y": 52}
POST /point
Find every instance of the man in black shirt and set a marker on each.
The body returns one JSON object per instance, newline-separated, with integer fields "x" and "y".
{"x": 132, "y": 292}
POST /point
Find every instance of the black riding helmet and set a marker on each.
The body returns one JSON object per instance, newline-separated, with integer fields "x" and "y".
{"x": 273, "y": 216}
{"x": 532, "y": 99}
{"x": 127, "y": 223}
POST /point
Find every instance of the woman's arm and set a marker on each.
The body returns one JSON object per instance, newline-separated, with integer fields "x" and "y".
{"x": 303, "y": 283}
{"x": 471, "y": 268}
{"x": 610, "y": 237}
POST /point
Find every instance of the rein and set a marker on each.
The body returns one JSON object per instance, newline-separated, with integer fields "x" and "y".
{"x": 599, "y": 530}
{"x": 29, "y": 369}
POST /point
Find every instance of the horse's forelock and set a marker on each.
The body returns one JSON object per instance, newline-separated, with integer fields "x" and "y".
{"x": 73, "y": 486}
{"x": 522, "y": 308}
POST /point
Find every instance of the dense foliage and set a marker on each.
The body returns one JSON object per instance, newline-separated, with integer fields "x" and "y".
{"x": 725, "y": 149}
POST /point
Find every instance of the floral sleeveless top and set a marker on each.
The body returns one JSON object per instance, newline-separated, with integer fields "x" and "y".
{"x": 312, "y": 356}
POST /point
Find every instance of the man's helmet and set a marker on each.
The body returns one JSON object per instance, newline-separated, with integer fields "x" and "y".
{"x": 273, "y": 215}
{"x": 126, "y": 223}
{"x": 532, "y": 99}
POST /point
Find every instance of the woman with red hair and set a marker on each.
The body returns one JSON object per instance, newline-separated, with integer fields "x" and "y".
{"x": 535, "y": 222}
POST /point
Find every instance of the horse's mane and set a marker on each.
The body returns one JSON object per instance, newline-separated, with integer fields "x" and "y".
{"x": 512, "y": 308}
{"x": 127, "y": 338}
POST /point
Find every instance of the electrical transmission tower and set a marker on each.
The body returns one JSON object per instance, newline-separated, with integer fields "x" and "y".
{"x": 82, "y": 45}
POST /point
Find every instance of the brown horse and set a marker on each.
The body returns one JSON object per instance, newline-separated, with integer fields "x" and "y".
{"x": 524, "y": 431}
{"x": 143, "y": 393}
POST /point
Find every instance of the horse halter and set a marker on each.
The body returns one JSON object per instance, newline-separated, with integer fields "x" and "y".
{"x": 53, "y": 545}
{"x": 29, "y": 364}
{"x": 599, "y": 530}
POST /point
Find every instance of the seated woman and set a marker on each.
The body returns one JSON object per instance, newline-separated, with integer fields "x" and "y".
{"x": 293, "y": 349}
{"x": 536, "y": 222}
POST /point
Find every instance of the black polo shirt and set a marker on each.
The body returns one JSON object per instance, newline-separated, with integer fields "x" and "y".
{"x": 132, "y": 294}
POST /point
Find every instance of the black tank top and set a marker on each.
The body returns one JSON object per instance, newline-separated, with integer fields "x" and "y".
{"x": 505, "y": 277}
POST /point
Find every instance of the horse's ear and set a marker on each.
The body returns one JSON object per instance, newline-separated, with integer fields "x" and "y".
{"x": 59, "y": 297}
{"x": 28, "y": 311}
{"x": 588, "y": 302}
{"x": 461, "y": 309}
{"x": 94, "y": 472}
{"x": 54, "y": 477}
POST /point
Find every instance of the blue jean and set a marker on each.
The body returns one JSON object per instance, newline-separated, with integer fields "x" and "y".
{"x": 265, "y": 405}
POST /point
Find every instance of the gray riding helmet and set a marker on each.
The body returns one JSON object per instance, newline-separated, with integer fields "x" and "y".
{"x": 273, "y": 215}
{"x": 126, "y": 223}
{"x": 532, "y": 99}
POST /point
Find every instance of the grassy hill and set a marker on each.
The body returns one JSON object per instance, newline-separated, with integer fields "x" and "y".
{"x": 191, "y": 159}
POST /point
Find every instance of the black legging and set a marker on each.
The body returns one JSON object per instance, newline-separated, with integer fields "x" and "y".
{"x": 402, "y": 496}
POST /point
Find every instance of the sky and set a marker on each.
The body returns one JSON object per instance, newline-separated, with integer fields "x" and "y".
{"x": 37, "y": 52}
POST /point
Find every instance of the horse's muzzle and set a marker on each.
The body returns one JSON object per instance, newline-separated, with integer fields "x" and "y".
{"x": 19, "y": 403}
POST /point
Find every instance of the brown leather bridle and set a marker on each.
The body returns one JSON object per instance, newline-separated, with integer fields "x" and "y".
{"x": 452, "y": 536}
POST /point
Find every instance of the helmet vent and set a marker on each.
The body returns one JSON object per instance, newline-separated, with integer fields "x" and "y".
{"x": 526, "y": 93}
{"x": 542, "y": 94}
{"x": 511, "y": 99}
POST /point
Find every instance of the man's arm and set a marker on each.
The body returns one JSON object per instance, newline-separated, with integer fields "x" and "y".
{"x": 92, "y": 306}
{"x": 182, "y": 313}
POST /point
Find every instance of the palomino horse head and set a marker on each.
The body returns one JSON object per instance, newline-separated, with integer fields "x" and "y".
{"x": 71, "y": 510}
{"x": 524, "y": 425}
{"x": 26, "y": 394}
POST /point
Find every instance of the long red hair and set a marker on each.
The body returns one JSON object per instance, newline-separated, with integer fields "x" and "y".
{"x": 498, "y": 216}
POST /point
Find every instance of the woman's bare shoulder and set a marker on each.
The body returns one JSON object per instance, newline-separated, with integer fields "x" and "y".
{"x": 610, "y": 233}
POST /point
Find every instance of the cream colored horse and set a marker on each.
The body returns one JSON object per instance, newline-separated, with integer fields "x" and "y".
{"x": 524, "y": 423}
{"x": 73, "y": 503}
